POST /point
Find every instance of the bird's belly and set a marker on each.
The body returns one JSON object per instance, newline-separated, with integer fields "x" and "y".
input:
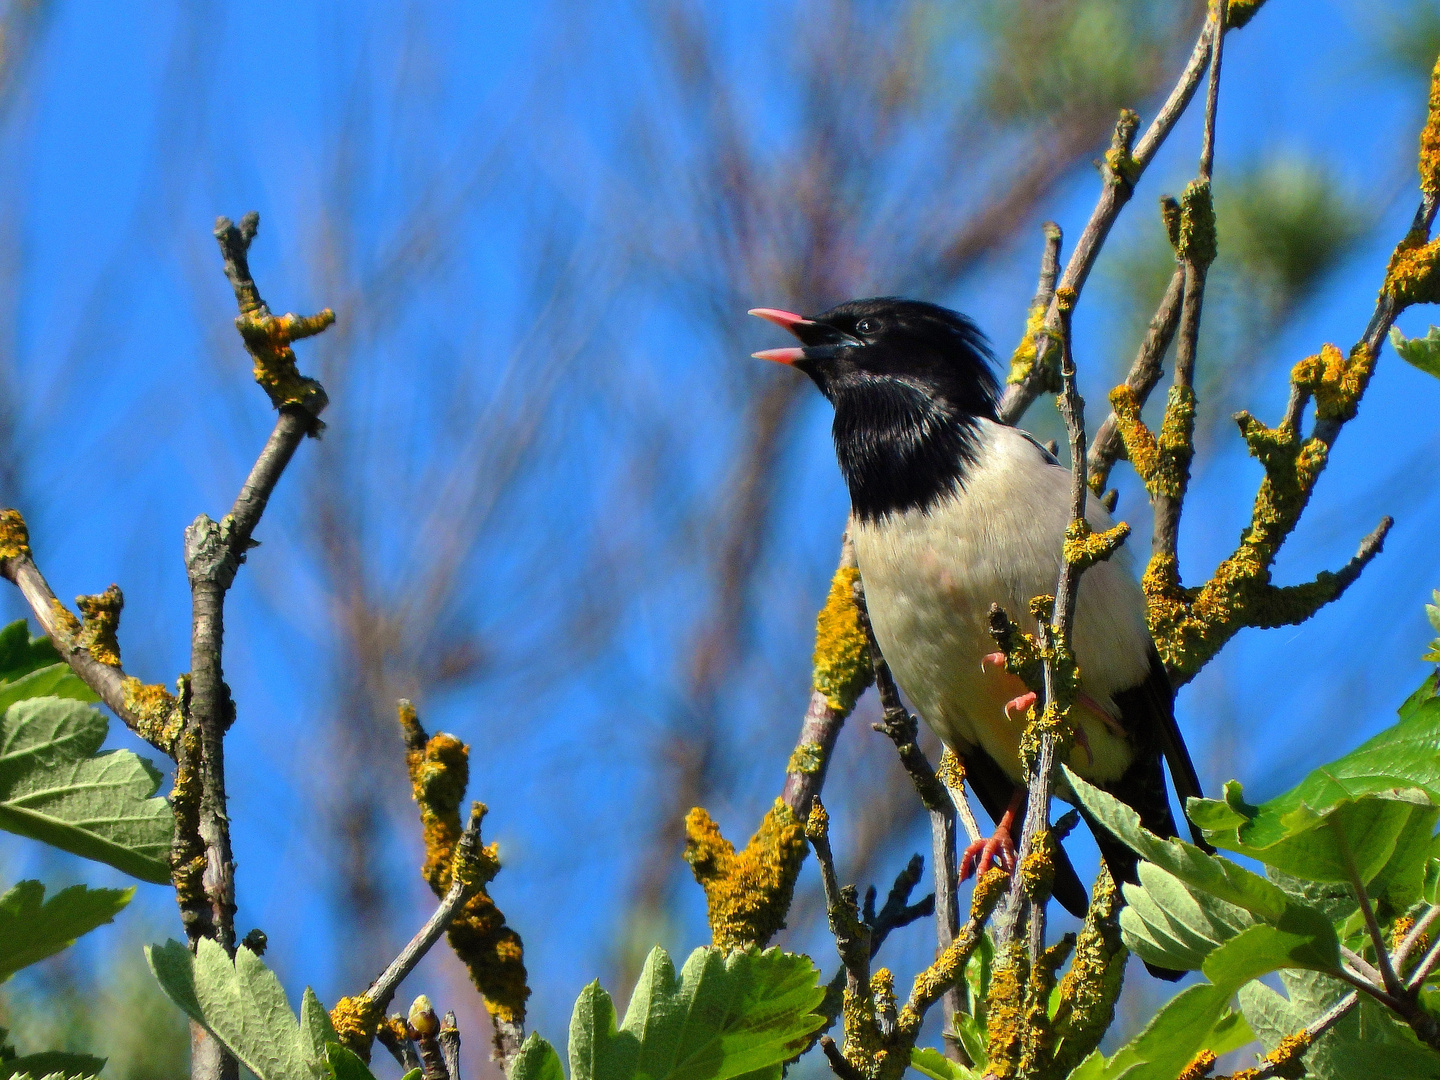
{"x": 930, "y": 580}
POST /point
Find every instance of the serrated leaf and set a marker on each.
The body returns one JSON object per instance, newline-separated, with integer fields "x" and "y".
{"x": 537, "y": 1060}
{"x": 1198, "y": 1018}
{"x": 240, "y": 1002}
{"x": 935, "y": 1065}
{"x": 1420, "y": 352}
{"x": 32, "y": 928}
{"x": 52, "y": 1063}
{"x": 55, "y": 787}
{"x": 722, "y": 1017}
{"x": 1370, "y": 1042}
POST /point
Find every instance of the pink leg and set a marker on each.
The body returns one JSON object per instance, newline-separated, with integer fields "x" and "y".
{"x": 992, "y": 660}
{"x": 999, "y": 850}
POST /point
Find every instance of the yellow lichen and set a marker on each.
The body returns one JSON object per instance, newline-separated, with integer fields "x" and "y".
{"x": 1190, "y": 625}
{"x": 100, "y": 615}
{"x": 1170, "y": 216}
{"x": 355, "y": 1020}
{"x": 1430, "y": 139}
{"x": 1413, "y": 276}
{"x": 1027, "y": 353}
{"x": 1005, "y": 1012}
{"x": 267, "y": 338}
{"x": 842, "y": 656}
{"x": 806, "y": 758}
{"x": 817, "y": 825}
{"x": 1197, "y": 240}
{"x": 67, "y": 626}
{"x": 1091, "y": 987}
{"x": 1037, "y": 869}
{"x": 187, "y": 852}
{"x": 157, "y": 716}
{"x": 1083, "y": 547}
{"x": 1200, "y": 1066}
{"x": 1287, "y": 1059}
{"x": 951, "y": 770}
{"x": 493, "y": 953}
{"x": 1336, "y": 383}
{"x": 747, "y": 892}
{"x": 1163, "y": 464}
{"x": 1120, "y": 165}
{"x": 14, "y": 535}
{"x": 1240, "y": 12}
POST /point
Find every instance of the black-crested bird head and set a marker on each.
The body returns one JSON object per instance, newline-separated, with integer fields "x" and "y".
{"x": 910, "y": 381}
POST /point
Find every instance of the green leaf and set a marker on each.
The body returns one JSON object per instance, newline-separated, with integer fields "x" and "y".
{"x": 1370, "y": 1042}
{"x": 1423, "y": 353}
{"x": 32, "y": 928}
{"x": 537, "y": 1060}
{"x": 52, "y": 1063}
{"x": 722, "y": 1017}
{"x": 56, "y": 788}
{"x": 242, "y": 1004}
{"x": 1198, "y": 1018}
{"x": 937, "y": 1066}
{"x": 971, "y": 1037}
{"x": 315, "y": 1025}
{"x": 1171, "y": 925}
{"x": 21, "y": 654}
{"x": 344, "y": 1064}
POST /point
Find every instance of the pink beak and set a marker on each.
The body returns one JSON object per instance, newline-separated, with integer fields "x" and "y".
{"x": 786, "y": 320}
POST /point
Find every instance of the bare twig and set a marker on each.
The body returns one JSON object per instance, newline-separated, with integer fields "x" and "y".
{"x": 450, "y": 1045}
{"x": 1120, "y": 177}
{"x": 843, "y": 1069}
{"x": 1387, "y": 974}
{"x": 852, "y": 935}
{"x": 903, "y": 730}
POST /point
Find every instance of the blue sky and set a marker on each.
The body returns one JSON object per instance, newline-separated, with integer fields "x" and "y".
{"x": 142, "y": 124}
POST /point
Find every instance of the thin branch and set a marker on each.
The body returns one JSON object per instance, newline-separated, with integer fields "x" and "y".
{"x": 852, "y": 936}
{"x": 115, "y": 688}
{"x": 1417, "y": 932}
{"x": 901, "y": 727}
{"x": 1107, "y": 446}
{"x": 1120, "y": 178}
{"x": 467, "y": 851}
{"x": 1391, "y": 981}
{"x": 843, "y": 1069}
{"x": 450, "y": 1045}
{"x": 1212, "y": 91}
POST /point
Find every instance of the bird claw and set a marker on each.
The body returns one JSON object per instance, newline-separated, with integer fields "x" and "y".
{"x": 980, "y": 855}
{"x": 992, "y": 660}
{"x": 1016, "y": 708}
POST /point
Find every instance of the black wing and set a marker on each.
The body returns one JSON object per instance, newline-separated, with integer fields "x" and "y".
{"x": 994, "y": 789}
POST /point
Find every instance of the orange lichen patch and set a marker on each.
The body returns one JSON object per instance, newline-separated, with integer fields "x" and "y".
{"x": 100, "y": 615}
{"x": 267, "y": 339}
{"x": 1084, "y": 547}
{"x": 356, "y": 1020}
{"x": 1163, "y": 463}
{"x": 1200, "y": 1066}
{"x": 1413, "y": 276}
{"x": 747, "y": 892}
{"x": 1430, "y": 139}
{"x": 842, "y": 668}
{"x": 156, "y": 712}
{"x": 1191, "y": 625}
{"x": 493, "y": 953}
{"x": 1091, "y": 987}
{"x": 1335, "y": 382}
{"x": 14, "y": 535}
{"x": 1005, "y": 1012}
{"x": 1035, "y": 338}
{"x": 951, "y": 769}
{"x": 1287, "y": 1059}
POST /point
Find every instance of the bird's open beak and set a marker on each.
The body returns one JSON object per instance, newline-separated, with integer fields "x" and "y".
{"x": 821, "y": 342}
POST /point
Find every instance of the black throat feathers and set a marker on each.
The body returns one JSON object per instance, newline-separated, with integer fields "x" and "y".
{"x": 899, "y": 448}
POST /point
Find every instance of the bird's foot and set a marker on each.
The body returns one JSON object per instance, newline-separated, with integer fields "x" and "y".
{"x": 1016, "y": 708}
{"x": 992, "y": 660}
{"x": 998, "y": 850}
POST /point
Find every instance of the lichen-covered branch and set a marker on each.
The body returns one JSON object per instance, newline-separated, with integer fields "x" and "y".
{"x": 358, "y": 1019}
{"x": 1108, "y": 446}
{"x": 748, "y": 892}
{"x": 491, "y": 951}
{"x": 1122, "y": 169}
{"x": 89, "y": 644}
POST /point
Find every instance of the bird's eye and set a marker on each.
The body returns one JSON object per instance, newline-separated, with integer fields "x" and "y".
{"x": 866, "y": 326}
